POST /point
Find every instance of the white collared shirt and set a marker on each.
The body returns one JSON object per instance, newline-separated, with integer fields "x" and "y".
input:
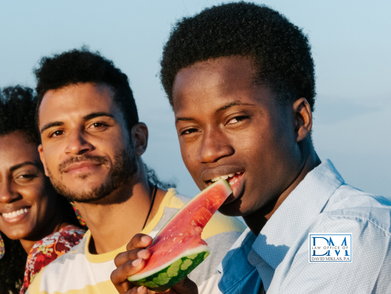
{"x": 282, "y": 260}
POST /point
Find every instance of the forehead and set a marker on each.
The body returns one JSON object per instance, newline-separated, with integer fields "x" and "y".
{"x": 218, "y": 70}
{"x": 78, "y": 99}
{"x": 15, "y": 149}
{"x": 214, "y": 82}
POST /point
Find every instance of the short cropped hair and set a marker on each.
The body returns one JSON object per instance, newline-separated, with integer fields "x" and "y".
{"x": 17, "y": 110}
{"x": 278, "y": 49}
{"x": 83, "y": 66}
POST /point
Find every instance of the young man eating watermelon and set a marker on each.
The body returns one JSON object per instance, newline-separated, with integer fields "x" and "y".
{"x": 240, "y": 78}
{"x": 92, "y": 143}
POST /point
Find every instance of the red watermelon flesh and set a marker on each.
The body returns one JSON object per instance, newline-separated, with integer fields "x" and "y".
{"x": 181, "y": 238}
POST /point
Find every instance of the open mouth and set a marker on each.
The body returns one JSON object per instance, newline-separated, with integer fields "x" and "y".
{"x": 232, "y": 179}
{"x": 14, "y": 215}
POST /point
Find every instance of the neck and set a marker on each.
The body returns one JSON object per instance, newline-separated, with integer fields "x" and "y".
{"x": 115, "y": 222}
{"x": 56, "y": 224}
{"x": 258, "y": 219}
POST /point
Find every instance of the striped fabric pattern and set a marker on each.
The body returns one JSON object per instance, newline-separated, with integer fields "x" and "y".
{"x": 79, "y": 272}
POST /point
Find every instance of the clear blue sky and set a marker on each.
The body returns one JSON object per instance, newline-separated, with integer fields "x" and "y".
{"x": 351, "y": 44}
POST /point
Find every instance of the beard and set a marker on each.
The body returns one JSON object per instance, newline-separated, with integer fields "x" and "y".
{"x": 125, "y": 165}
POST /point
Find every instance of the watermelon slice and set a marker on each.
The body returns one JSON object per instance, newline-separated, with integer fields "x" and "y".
{"x": 178, "y": 248}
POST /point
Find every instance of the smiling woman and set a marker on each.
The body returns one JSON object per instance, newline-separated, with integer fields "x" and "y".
{"x": 30, "y": 209}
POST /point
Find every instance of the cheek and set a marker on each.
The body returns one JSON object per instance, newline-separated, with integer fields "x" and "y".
{"x": 40, "y": 194}
{"x": 186, "y": 160}
{"x": 113, "y": 145}
{"x": 50, "y": 160}
{"x": 32, "y": 193}
{"x": 188, "y": 156}
{"x": 45, "y": 207}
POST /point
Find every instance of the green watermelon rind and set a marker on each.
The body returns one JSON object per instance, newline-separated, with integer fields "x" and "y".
{"x": 188, "y": 253}
{"x": 170, "y": 275}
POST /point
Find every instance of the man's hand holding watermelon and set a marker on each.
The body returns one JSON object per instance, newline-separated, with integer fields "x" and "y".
{"x": 175, "y": 251}
{"x": 132, "y": 261}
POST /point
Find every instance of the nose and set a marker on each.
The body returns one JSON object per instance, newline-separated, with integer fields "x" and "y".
{"x": 7, "y": 193}
{"x": 77, "y": 143}
{"x": 215, "y": 145}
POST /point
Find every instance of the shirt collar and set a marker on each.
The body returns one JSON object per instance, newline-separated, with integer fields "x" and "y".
{"x": 303, "y": 204}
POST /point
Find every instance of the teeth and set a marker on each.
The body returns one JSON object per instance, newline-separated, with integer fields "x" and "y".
{"x": 233, "y": 182}
{"x": 15, "y": 213}
{"x": 215, "y": 179}
{"x": 224, "y": 177}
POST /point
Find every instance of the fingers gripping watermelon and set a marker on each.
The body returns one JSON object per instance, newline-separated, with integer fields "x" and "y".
{"x": 178, "y": 248}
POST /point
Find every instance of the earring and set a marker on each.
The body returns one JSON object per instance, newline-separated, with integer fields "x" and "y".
{"x": 2, "y": 247}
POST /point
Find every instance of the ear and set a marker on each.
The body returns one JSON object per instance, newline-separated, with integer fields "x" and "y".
{"x": 40, "y": 150}
{"x": 303, "y": 118}
{"x": 140, "y": 138}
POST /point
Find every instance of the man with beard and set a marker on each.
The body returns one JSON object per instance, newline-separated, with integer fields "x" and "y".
{"x": 92, "y": 142}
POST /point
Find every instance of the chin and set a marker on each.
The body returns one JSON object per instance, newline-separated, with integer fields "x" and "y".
{"x": 232, "y": 208}
{"x": 19, "y": 235}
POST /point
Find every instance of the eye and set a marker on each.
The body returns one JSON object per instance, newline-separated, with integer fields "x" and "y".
{"x": 98, "y": 125}
{"x": 188, "y": 131}
{"x": 26, "y": 177}
{"x": 56, "y": 133}
{"x": 237, "y": 119}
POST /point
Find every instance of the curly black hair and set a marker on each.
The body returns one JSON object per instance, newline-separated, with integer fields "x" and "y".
{"x": 83, "y": 66}
{"x": 17, "y": 110}
{"x": 279, "y": 50}
{"x": 154, "y": 180}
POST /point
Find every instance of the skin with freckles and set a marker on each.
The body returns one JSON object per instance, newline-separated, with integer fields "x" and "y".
{"x": 229, "y": 125}
{"x": 28, "y": 206}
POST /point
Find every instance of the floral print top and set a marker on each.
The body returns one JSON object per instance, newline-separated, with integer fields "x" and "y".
{"x": 48, "y": 249}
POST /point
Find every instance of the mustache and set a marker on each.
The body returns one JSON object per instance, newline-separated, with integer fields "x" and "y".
{"x": 89, "y": 158}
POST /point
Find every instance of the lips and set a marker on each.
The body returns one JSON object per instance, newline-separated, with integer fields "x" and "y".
{"x": 80, "y": 167}
{"x": 81, "y": 163}
{"x": 15, "y": 215}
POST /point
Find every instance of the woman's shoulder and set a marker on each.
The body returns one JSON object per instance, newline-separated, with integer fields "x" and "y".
{"x": 69, "y": 234}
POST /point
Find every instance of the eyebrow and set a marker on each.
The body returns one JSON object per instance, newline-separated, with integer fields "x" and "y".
{"x": 222, "y": 108}
{"x": 50, "y": 125}
{"x": 97, "y": 114}
{"x": 15, "y": 167}
{"x": 85, "y": 118}
{"x": 234, "y": 103}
